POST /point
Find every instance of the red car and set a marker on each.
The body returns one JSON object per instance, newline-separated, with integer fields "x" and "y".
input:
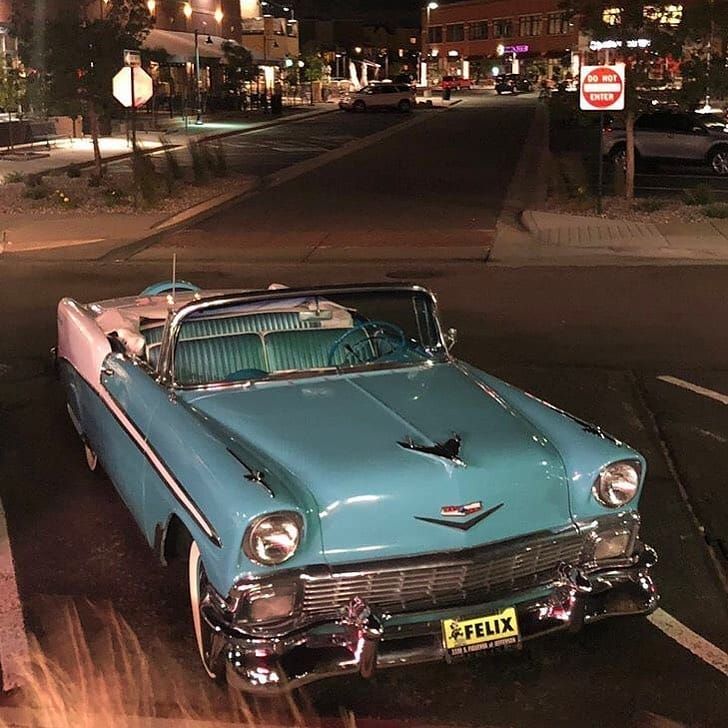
{"x": 456, "y": 82}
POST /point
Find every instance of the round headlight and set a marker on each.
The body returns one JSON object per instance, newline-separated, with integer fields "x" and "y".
{"x": 273, "y": 539}
{"x": 617, "y": 484}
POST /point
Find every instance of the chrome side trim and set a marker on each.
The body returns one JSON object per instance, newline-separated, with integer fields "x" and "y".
{"x": 137, "y": 436}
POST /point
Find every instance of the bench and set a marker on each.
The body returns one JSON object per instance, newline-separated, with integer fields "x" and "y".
{"x": 211, "y": 350}
{"x": 43, "y": 131}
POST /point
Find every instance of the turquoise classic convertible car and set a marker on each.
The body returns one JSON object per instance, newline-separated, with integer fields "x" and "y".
{"x": 345, "y": 494}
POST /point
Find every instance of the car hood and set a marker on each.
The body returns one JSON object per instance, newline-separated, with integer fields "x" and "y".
{"x": 340, "y": 438}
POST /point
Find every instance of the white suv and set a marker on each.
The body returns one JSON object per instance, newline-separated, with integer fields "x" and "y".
{"x": 397, "y": 96}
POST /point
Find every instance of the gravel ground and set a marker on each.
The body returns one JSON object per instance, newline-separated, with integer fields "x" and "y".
{"x": 114, "y": 194}
{"x": 641, "y": 210}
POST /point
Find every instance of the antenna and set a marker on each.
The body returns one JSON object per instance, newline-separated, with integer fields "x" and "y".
{"x": 174, "y": 274}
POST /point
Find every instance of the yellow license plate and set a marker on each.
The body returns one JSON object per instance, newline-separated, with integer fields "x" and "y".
{"x": 465, "y": 636}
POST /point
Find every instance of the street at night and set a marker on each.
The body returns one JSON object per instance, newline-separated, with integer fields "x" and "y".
{"x": 364, "y": 364}
{"x": 593, "y": 340}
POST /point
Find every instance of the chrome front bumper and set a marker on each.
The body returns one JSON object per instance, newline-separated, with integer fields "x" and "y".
{"x": 362, "y": 641}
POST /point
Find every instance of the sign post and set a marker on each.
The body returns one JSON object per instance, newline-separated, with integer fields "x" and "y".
{"x": 133, "y": 87}
{"x": 601, "y": 89}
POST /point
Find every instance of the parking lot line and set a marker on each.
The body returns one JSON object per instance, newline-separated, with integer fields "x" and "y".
{"x": 699, "y": 646}
{"x": 14, "y": 653}
{"x": 711, "y": 394}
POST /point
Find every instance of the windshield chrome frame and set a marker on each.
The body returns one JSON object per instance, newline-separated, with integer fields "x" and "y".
{"x": 165, "y": 366}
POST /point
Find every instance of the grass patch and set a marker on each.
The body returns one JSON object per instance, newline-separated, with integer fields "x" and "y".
{"x": 200, "y": 157}
{"x": 717, "y": 210}
{"x": 700, "y": 195}
{"x": 12, "y": 177}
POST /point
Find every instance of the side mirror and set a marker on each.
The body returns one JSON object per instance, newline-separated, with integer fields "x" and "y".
{"x": 451, "y": 338}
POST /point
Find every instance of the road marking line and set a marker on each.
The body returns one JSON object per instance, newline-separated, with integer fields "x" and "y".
{"x": 14, "y": 652}
{"x": 717, "y": 396}
{"x": 699, "y": 646}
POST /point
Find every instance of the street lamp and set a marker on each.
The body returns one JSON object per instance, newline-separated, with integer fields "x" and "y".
{"x": 198, "y": 120}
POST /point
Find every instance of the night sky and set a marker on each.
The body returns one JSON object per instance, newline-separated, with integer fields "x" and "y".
{"x": 373, "y": 10}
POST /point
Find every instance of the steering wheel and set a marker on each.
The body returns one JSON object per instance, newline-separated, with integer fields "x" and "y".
{"x": 380, "y": 339}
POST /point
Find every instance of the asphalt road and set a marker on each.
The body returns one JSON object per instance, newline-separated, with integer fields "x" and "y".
{"x": 591, "y": 340}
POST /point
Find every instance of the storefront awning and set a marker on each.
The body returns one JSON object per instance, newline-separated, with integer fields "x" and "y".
{"x": 180, "y": 46}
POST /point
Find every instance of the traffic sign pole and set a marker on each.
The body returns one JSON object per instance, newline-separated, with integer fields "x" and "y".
{"x": 600, "y": 162}
{"x": 133, "y": 113}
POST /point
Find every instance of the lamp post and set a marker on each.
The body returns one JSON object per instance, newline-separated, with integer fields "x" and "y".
{"x": 198, "y": 95}
{"x": 426, "y": 39}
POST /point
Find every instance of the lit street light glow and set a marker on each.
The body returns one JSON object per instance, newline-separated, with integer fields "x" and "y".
{"x": 187, "y": 10}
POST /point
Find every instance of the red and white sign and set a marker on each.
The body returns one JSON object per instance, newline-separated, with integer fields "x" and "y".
{"x": 602, "y": 88}
{"x": 143, "y": 88}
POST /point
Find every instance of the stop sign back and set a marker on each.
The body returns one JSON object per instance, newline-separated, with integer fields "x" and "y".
{"x": 142, "y": 86}
{"x": 602, "y": 88}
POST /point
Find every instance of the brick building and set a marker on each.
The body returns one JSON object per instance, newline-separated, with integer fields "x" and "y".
{"x": 476, "y": 37}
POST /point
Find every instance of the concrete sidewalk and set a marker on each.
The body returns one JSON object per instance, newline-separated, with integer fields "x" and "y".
{"x": 67, "y": 152}
{"x": 547, "y": 237}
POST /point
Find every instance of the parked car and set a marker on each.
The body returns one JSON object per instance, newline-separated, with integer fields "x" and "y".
{"x": 668, "y": 135}
{"x": 396, "y": 96}
{"x": 512, "y": 83}
{"x": 342, "y": 493}
{"x": 455, "y": 83}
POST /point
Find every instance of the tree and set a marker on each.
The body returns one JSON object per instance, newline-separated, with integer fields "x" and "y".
{"x": 78, "y": 52}
{"x": 239, "y": 65}
{"x": 627, "y": 22}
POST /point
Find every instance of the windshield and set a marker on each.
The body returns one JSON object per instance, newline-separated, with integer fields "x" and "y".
{"x": 306, "y": 334}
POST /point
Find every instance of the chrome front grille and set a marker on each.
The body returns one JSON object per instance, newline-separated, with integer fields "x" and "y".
{"x": 443, "y": 580}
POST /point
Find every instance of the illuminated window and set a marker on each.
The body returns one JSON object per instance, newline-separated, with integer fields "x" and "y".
{"x": 612, "y": 16}
{"x": 669, "y": 15}
{"x": 455, "y": 32}
{"x": 558, "y": 24}
{"x": 479, "y": 31}
{"x": 530, "y": 25}
{"x": 502, "y": 28}
{"x": 435, "y": 34}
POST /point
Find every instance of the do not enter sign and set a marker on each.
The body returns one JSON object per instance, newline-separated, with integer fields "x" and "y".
{"x": 602, "y": 88}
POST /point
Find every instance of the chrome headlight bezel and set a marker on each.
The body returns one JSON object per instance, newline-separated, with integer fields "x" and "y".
{"x": 288, "y": 522}
{"x": 618, "y": 483}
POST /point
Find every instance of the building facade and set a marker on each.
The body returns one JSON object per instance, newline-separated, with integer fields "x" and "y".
{"x": 479, "y": 38}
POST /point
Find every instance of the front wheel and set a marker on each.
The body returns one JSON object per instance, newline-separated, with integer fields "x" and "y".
{"x": 210, "y": 655}
{"x": 359, "y": 106}
{"x": 404, "y": 106}
{"x": 719, "y": 161}
{"x": 618, "y": 157}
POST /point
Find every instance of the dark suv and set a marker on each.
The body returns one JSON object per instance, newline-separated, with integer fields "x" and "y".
{"x": 512, "y": 83}
{"x": 668, "y": 135}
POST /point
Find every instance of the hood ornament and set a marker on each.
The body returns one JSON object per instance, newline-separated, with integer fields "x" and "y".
{"x": 449, "y": 450}
{"x": 461, "y": 525}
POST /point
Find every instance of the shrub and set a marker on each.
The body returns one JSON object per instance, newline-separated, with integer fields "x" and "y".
{"x": 36, "y": 192}
{"x": 114, "y": 197}
{"x": 716, "y": 210}
{"x": 94, "y": 181}
{"x": 200, "y": 163}
{"x": 651, "y": 204}
{"x": 700, "y": 195}
{"x": 173, "y": 168}
{"x": 14, "y": 176}
{"x": 35, "y": 180}
{"x": 74, "y": 171}
{"x": 220, "y": 161}
{"x": 145, "y": 178}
